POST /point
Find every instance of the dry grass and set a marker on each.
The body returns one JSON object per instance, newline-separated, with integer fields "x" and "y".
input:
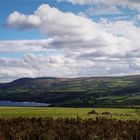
{"x": 68, "y": 129}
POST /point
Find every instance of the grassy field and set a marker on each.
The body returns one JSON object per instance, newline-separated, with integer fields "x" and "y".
{"x": 49, "y": 123}
{"x": 14, "y": 112}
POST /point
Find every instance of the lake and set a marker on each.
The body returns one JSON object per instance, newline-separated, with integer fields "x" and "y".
{"x": 13, "y": 103}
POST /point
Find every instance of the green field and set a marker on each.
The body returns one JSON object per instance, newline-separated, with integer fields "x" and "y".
{"x": 14, "y": 112}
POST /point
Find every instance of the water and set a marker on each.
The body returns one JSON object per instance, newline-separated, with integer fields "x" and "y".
{"x": 13, "y": 103}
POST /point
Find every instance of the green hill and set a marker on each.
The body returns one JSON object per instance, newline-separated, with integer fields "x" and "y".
{"x": 76, "y": 92}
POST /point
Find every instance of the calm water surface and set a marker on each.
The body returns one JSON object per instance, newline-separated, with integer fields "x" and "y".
{"x": 12, "y": 103}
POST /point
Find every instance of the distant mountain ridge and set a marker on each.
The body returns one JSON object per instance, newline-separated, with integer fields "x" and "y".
{"x": 75, "y": 92}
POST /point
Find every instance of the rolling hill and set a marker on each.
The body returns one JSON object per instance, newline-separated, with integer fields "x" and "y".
{"x": 75, "y": 92}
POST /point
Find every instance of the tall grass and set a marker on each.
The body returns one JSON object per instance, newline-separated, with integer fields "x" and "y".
{"x": 68, "y": 129}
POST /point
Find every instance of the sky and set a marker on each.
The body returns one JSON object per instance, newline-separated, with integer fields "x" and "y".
{"x": 69, "y": 38}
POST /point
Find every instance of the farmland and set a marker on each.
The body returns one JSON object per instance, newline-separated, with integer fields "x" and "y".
{"x": 56, "y": 112}
{"x": 74, "y": 92}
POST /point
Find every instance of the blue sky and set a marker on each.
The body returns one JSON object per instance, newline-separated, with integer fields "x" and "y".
{"x": 68, "y": 38}
{"x": 29, "y": 6}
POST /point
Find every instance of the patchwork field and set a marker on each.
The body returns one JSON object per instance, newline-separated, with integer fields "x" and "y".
{"x": 75, "y": 92}
{"x": 118, "y": 113}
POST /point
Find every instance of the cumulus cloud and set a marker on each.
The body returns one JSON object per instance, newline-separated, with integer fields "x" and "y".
{"x": 82, "y": 47}
{"x": 70, "y": 29}
{"x": 22, "y": 21}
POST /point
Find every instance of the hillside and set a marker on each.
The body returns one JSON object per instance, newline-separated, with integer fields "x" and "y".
{"x": 76, "y": 92}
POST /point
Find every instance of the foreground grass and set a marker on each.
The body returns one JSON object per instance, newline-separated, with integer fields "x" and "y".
{"x": 68, "y": 129}
{"x": 56, "y": 112}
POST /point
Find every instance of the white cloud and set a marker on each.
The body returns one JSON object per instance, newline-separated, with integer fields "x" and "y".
{"x": 24, "y": 45}
{"x": 60, "y": 66}
{"x": 82, "y": 47}
{"x": 125, "y": 3}
{"x": 70, "y": 29}
{"x": 103, "y": 9}
{"x": 22, "y": 21}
